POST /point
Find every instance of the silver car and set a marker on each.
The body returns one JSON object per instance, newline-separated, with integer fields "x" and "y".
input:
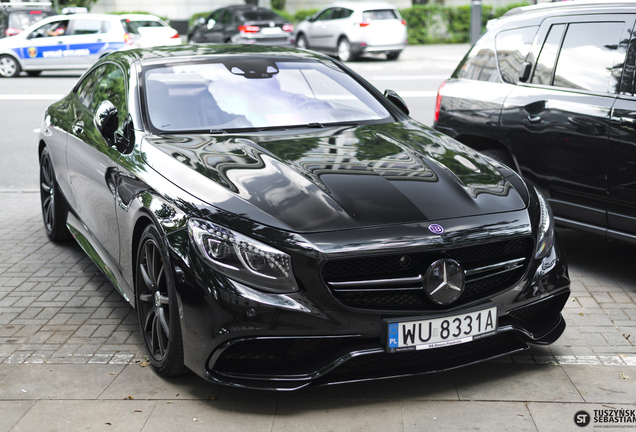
{"x": 349, "y": 29}
{"x": 62, "y": 42}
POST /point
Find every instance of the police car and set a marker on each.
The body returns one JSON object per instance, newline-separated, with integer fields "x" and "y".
{"x": 63, "y": 42}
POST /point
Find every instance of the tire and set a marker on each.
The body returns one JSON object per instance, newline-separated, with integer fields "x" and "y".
{"x": 393, "y": 55}
{"x": 501, "y": 156}
{"x": 34, "y": 73}
{"x": 54, "y": 210}
{"x": 9, "y": 67}
{"x": 301, "y": 42}
{"x": 344, "y": 50}
{"x": 157, "y": 308}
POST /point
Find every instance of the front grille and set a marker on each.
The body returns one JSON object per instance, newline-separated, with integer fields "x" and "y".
{"x": 394, "y": 282}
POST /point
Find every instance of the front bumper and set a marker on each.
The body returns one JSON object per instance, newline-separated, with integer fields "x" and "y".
{"x": 237, "y": 336}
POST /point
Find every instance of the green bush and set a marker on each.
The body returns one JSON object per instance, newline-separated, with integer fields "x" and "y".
{"x": 301, "y": 15}
{"x": 432, "y": 23}
{"x": 278, "y": 5}
{"x": 422, "y": 23}
{"x": 194, "y": 18}
{"x": 289, "y": 17}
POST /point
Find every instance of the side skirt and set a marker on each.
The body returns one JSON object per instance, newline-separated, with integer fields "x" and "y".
{"x": 99, "y": 256}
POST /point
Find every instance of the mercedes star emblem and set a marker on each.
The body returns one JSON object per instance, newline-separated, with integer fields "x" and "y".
{"x": 444, "y": 281}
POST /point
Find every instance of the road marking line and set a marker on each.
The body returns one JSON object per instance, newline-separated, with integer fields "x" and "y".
{"x": 417, "y": 94}
{"x": 408, "y": 77}
{"x": 31, "y": 97}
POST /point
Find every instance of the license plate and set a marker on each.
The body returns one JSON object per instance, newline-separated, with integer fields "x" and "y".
{"x": 442, "y": 331}
{"x": 270, "y": 30}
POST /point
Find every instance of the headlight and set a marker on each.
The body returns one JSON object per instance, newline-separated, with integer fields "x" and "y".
{"x": 242, "y": 258}
{"x": 545, "y": 231}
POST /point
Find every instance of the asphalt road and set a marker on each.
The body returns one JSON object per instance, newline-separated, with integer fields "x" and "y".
{"x": 414, "y": 76}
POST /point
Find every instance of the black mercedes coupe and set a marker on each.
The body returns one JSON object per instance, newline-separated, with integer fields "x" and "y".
{"x": 277, "y": 222}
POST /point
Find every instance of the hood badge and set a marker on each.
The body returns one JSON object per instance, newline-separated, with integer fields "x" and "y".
{"x": 436, "y": 229}
{"x": 444, "y": 281}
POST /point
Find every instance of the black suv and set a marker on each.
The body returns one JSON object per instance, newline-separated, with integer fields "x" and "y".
{"x": 549, "y": 90}
{"x": 15, "y": 17}
{"x": 243, "y": 24}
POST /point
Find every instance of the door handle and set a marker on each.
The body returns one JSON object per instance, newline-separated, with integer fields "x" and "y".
{"x": 78, "y": 127}
{"x": 534, "y": 119}
{"x": 628, "y": 121}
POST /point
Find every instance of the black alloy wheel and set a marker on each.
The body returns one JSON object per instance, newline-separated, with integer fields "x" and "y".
{"x": 54, "y": 211}
{"x": 157, "y": 305}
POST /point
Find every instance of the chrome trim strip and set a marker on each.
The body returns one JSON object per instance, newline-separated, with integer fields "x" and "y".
{"x": 377, "y": 282}
{"x": 363, "y": 290}
{"x": 496, "y": 266}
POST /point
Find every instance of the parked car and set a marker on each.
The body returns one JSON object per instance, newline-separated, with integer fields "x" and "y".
{"x": 328, "y": 238}
{"x": 62, "y": 42}
{"x": 243, "y": 24}
{"x": 152, "y": 30}
{"x": 549, "y": 91}
{"x": 350, "y": 29}
{"x": 15, "y": 17}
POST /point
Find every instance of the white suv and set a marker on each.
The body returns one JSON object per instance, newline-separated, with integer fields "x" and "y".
{"x": 63, "y": 42}
{"x": 349, "y": 29}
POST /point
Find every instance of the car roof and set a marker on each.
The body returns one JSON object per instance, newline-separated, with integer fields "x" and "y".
{"x": 146, "y": 17}
{"x": 362, "y": 5}
{"x": 202, "y": 52}
{"x": 246, "y": 8}
{"x": 534, "y": 14}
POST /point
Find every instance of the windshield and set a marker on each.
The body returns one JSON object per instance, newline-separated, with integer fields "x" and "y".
{"x": 248, "y": 93}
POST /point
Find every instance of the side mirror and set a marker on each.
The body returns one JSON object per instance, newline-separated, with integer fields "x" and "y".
{"x": 396, "y": 100}
{"x": 107, "y": 121}
{"x": 524, "y": 72}
{"x": 210, "y": 24}
{"x": 312, "y": 18}
{"x": 125, "y": 139}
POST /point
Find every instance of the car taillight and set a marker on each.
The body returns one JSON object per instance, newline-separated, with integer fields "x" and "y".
{"x": 438, "y": 101}
{"x": 9, "y": 31}
{"x": 36, "y": 12}
{"x": 175, "y": 36}
{"x": 249, "y": 29}
{"x": 364, "y": 23}
{"x": 288, "y": 27}
{"x": 128, "y": 39}
{"x": 403, "y": 22}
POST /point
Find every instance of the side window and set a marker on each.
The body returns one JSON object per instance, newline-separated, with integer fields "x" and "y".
{"x": 84, "y": 27}
{"x": 86, "y": 89}
{"x": 547, "y": 57}
{"x": 52, "y": 29}
{"x": 324, "y": 15}
{"x": 227, "y": 18}
{"x": 111, "y": 86}
{"x": 513, "y": 47}
{"x": 587, "y": 56}
{"x": 216, "y": 17}
{"x": 480, "y": 63}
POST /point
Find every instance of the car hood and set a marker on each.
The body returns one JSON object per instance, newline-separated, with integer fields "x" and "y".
{"x": 335, "y": 178}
